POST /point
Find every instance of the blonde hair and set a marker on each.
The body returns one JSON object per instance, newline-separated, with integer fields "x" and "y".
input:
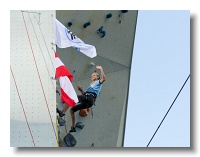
{"x": 97, "y": 75}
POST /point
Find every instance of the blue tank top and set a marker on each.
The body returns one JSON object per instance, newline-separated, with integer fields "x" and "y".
{"x": 95, "y": 87}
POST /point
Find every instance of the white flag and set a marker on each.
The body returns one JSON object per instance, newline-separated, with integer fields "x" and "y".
{"x": 65, "y": 38}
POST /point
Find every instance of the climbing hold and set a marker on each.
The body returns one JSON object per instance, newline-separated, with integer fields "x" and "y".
{"x": 124, "y": 11}
{"x": 69, "y": 24}
{"x": 61, "y": 121}
{"x": 69, "y": 140}
{"x": 57, "y": 92}
{"x": 92, "y": 64}
{"x": 103, "y": 34}
{"x": 79, "y": 125}
{"x": 100, "y": 30}
{"x": 86, "y": 24}
{"x": 108, "y": 15}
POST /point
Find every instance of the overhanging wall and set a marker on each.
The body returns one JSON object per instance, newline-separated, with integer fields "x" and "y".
{"x": 105, "y": 128}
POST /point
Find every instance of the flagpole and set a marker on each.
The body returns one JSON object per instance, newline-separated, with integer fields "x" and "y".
{"x": 74, "y": 80}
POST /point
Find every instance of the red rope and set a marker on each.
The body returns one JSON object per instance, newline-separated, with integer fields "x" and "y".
{"x": 39, "y": 78}
{"x": 22, "y": 106}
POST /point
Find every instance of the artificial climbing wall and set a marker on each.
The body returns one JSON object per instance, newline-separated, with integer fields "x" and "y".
{"x": 32, "y": 91}
{"x": 104, "y": 127}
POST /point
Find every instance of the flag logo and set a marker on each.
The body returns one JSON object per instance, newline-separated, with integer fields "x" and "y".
{"x": 64, "y": 38}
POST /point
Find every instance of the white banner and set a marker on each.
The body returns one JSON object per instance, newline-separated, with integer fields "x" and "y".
{"x": 65, "y": 38}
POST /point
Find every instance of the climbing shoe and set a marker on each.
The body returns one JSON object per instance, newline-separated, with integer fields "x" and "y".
{"x": 59, "y": 112}
{"x": 72, "y": 130}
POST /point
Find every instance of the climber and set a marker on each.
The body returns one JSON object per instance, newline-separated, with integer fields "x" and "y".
{"x": 87, "y": 99}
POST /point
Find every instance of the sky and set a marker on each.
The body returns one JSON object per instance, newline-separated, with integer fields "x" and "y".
{"x": 141, "y": 117}
{"x": 160, "y": 66}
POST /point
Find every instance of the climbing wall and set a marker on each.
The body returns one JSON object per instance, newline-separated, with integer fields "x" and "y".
{"x": 32, "y": 90}
{"x": 104, "y": 126}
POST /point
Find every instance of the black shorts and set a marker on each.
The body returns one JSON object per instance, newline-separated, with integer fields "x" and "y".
{"x": 85, "y": 101}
